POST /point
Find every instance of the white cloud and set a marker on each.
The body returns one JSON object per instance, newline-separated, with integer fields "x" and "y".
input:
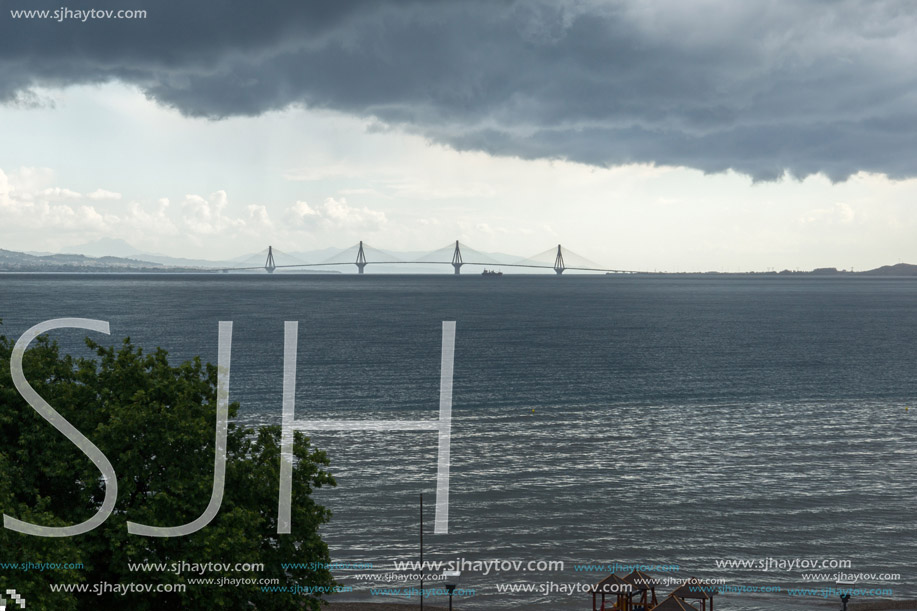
{"x": 342, "y": 215}
{"x": 144, "y": 224}
{"x": 302, "y": 213}
{"x": 103, "y": 194}
{"x": 37, "y": 215}
{"x": 5, "y": 187}
{"x": 27, "y": 202}
{"x": 335, "y": 214}
{"x": 59, "y": 194}
{"x": 206, "y": 216}
{"x": 29, "y": 180}
{"x": 259, "y": 218}
{"x": 839, "y": 213}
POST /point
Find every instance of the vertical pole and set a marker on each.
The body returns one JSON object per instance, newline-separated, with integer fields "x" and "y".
{"x": 441, "y": 519}
{"x": 288, "y": 417}
{"x": 421, "y": 551}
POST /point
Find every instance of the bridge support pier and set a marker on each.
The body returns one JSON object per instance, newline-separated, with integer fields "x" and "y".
{"x": 559, "y": 262}
{"x": 269, "y": 265}
{"x": 361, "y": 259}
{"x": 457, "y": 259}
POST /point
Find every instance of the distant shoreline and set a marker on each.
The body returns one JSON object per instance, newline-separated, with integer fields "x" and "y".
{"x": 871, "y": 274}
{"x": 19, "y": 262}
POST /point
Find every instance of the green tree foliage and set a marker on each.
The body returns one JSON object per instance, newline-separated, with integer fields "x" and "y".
{"x": 156, "y": 424}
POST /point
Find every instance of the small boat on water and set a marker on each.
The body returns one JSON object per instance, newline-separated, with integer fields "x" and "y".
{"x": 491, "y": 272}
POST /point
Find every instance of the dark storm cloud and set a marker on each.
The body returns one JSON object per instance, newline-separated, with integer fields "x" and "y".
{"x": 760, "y": 87}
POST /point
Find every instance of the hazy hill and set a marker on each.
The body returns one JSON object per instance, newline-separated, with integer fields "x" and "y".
{"x": 899, "y": 269}
{"x": 11, "y": 261}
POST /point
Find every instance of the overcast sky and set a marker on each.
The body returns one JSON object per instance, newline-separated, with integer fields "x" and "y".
{"x": 688, "y": 135}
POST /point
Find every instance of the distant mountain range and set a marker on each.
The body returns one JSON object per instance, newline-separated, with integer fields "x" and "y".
{"x": 899, "y": 269}
{"x": 11, "y": 261}
{"x": 114, "y": 247}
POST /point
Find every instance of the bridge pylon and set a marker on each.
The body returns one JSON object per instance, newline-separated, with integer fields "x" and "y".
{"x": 269, "y": 265}
{"x": 559, "y": 261}
{"x": 361, "y": 258}
{"x": 457, "y": 259}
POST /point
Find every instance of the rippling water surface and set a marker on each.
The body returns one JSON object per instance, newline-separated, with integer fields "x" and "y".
{"x": 596, "y": 420}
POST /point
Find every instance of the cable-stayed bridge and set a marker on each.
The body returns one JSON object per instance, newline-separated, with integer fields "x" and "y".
{"x": 457, "y": 255}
